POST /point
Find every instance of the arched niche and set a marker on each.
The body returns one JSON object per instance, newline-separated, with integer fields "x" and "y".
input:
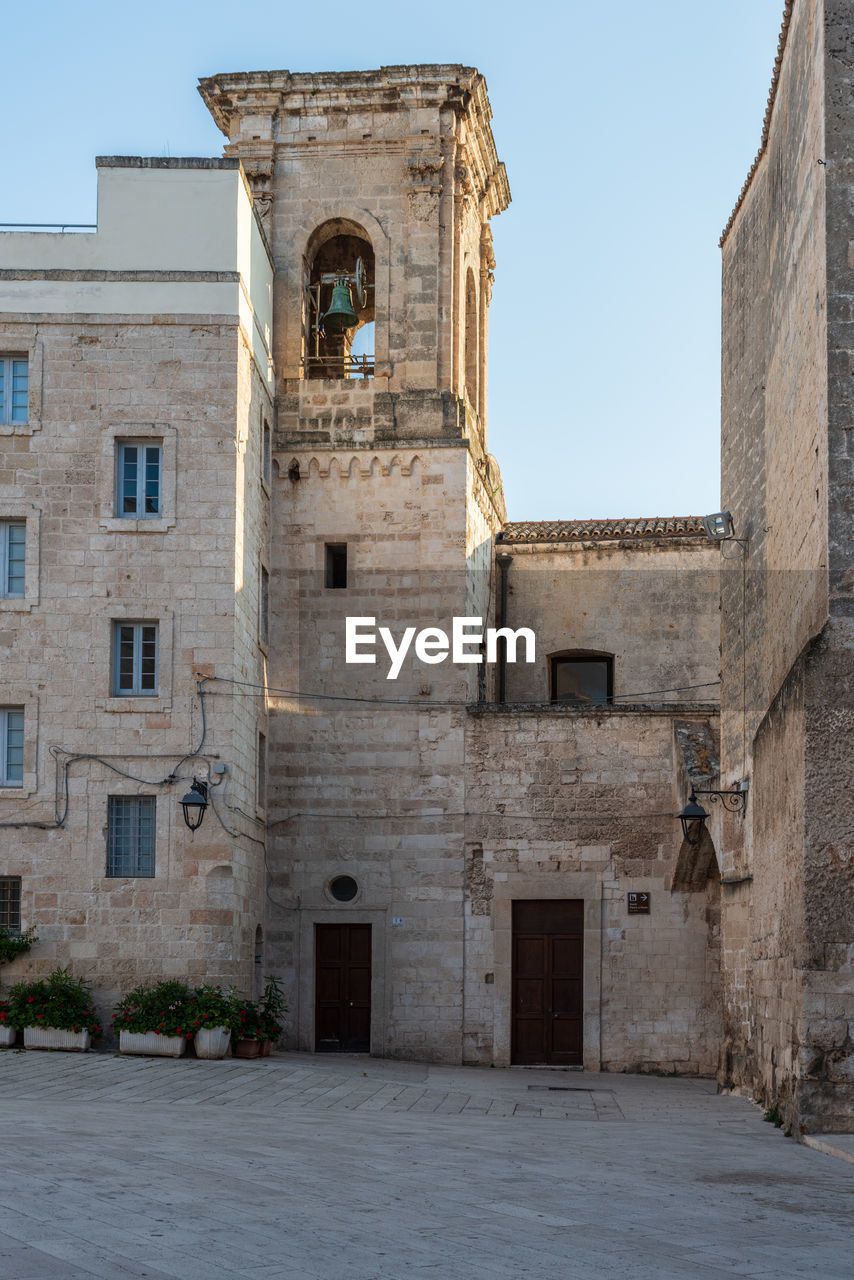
{"x": 339, "y": 264}
{"x": 472, "y": 343}
{"x": 292, "y": 286}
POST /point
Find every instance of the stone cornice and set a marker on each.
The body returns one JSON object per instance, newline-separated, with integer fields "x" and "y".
{"x": 286, "y": 97}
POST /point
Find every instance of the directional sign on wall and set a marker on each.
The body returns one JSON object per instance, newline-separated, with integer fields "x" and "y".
{"x": 638, "y": 904}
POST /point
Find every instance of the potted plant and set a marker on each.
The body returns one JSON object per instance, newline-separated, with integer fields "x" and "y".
{"x": 8, "y": 1033}
{"x": 246, "y": 1036}
{"x": 154, "y": 1019}
{"x": 258, "y": 1026}
{"x": 271, "y": 1008}
{"x": 54, "y": 1013}
{"x": 14, "y": 944}
{"x": 211, "y": 1016}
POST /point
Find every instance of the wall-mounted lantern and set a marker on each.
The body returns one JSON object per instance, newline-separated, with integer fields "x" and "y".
{"x": 195, "y": 804}
{"x": 693, "y": 816}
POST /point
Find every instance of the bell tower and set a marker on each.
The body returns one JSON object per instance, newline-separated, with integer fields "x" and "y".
{"x": 375, "y": 190}
{"x": 391, "y": 174}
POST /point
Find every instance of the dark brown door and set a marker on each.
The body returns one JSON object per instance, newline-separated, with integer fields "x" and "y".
{"x": 548, "y": 953}
{"x": 343, "y": 1009}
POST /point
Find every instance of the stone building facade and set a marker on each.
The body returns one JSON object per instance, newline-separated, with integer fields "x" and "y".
{"x": 474, "y": 861}
{"x": 788, "y": 587}
{"x": 369, "y": 841}
{"x": 145, "y": 344}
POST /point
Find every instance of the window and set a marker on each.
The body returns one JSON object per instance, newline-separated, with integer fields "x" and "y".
{"x": 343, "y": 888}
{"x": 14, "y": 389}
{"x": 264, "y": 607}
{"x": 262, "y": 772}
{"x": 10, "y": 903}
{"x": 582, "y": 679}
{"x": 13, "y": 538}
{"x": 130, "y": 836}
{"x": 139, "y": 480}
{"x": 11, "y": 747}
{"x": 266, "y": 452}
{"x": 134, "y": 659}
{"x": 336, "y": 564}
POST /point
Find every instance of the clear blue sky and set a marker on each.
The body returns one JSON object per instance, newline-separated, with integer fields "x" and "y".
{"x": 627, "y": 130}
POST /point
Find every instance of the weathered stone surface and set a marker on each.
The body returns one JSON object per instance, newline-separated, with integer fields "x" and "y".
{"x": 788, "y": 657}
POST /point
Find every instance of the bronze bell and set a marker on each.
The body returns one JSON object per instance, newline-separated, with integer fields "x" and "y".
{"x": 340, "y": 315}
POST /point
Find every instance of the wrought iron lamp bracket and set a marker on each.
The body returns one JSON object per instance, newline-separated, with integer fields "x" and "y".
{"x": 734, "y": 800}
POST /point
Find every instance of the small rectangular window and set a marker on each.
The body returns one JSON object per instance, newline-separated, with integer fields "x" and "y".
{"x": 139, "y": 467}
{"x": 134, "y": 659}
{"x": 336, "y": 564}
{"x": 130, "y": 836}
{"x": 582, "y": 681}
{"x": 266, "y": 452}
{"x": 264, "y": 607}
{"x": 10, "y": 903}
{"x": 262, "y": 771}
{"x": 14, "y": 389}
{"x": 11, "y": 746}
{"x": 13, "y": 542}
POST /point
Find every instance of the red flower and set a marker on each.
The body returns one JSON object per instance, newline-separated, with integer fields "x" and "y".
{"x": 189, "y": 1035}
{"x": 30, "y": 999}
{"x": 178, "y": 1031}
{"x": 39, "y": 1016}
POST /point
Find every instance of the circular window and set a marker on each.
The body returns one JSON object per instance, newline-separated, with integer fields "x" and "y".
{"x": 343, "y": 888}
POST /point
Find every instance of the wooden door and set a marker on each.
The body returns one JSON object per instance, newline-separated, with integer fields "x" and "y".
{"x": 548, "y": 991}
{"x": 343, "y": 985}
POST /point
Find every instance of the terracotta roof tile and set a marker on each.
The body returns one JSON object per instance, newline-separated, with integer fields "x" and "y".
{"x": 601, "y": 530}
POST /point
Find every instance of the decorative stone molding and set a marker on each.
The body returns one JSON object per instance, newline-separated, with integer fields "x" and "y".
{"x": 425, "y": 188}
{"x": 365, "y": 466}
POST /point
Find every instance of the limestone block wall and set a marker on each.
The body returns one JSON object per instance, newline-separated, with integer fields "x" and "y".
{"x": 654, "y": 608}
{"x": 568, "y": 804}
{"x": 371, "y": 789}
{"x": 774, "y": 441}
{"x": 240, "y": 801}
{"x": 101, "y": 379}
{"x": 787, "y": 672}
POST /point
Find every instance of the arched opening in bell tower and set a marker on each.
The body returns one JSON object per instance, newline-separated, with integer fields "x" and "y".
{"x": 472, "y": 352}
{"x": 339, "y": 302}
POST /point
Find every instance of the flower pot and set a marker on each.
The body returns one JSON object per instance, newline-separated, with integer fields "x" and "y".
{"x": 266, "y": 1048}
{"x": 55, "y": 1038}
{"x": 212, "y": 1042}
{"x": 8, "y": 1036}
{"x": 152, "y": 1043}
{"x": 247, "y": 1049}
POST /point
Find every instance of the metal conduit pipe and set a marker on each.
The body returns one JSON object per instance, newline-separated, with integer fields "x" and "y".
{"x": 504, "y": 562}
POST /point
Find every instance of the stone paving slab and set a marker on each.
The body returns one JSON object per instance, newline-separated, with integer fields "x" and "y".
{"x": 345, "y": 1170}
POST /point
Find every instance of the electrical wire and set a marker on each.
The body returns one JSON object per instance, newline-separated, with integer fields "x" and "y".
{"x": 72, "y": 757}
{"x": 468, "y": 813}
{"x": 265, "y": 690}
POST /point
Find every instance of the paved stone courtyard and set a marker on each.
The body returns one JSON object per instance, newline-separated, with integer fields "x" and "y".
{"x": 304, "y": 1168}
